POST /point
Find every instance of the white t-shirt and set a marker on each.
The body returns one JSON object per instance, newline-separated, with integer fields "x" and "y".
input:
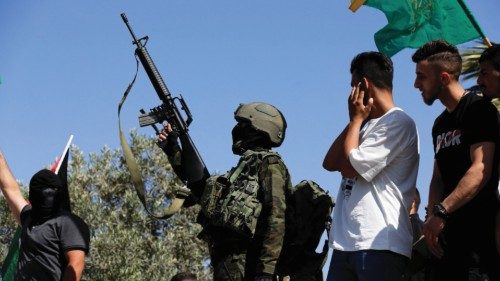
{"x": 371, "y": 211}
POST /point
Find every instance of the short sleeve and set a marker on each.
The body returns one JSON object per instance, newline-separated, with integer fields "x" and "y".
{"x": 74, "y": 234}
{"x": 481, "y": 123}
{"x": 382, "y": 144}
{"x": 25, "y": 214}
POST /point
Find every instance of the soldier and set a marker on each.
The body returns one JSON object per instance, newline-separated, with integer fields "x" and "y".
{"x": 243, "y": 211}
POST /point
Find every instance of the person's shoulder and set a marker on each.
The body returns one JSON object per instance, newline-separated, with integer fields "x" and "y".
{"x": 477, "y": 105}
{"x": 25, "y": 213}
{"x": 400, "y": 118}
{"x": 67, "y": 217}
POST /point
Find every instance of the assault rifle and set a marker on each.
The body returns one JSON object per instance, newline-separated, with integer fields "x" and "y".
{"x": 193, "y": 168}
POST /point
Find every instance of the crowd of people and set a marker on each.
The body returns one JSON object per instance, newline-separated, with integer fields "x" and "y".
{"x": 376, "y": 232}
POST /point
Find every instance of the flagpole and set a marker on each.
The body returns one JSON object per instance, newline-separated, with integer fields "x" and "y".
{"x": 355, "y": 4}
{"x": 469, "y": 15}
{"x": 65, "y": 151}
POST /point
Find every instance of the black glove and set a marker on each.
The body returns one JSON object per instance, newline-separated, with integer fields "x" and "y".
{"x": 171, "y": 144}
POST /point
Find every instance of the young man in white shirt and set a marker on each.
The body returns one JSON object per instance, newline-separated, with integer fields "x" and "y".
{"x": 378, "y": 156}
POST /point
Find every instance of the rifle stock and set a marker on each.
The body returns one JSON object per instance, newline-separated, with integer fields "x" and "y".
{"x": 193, "y": 168}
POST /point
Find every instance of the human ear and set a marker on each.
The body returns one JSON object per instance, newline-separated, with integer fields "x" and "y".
{"x": 445, "y": 78}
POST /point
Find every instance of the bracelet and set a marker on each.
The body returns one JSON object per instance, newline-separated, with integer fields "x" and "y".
{"x": 440, "y": 211}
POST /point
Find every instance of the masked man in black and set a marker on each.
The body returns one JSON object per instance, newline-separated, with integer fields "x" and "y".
{"x": 53, "y": 241}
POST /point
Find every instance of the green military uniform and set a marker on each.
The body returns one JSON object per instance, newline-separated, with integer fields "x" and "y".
{"x": 243, "y": 211}
{"x": 242, "y": 256}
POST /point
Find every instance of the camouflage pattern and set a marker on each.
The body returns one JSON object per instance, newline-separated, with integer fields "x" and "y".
{"x": 231, "y": 200}
{"x": 230, "y": 251}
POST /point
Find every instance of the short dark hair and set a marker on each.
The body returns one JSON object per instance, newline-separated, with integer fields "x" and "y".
{"x": 376, "y": 67}
{"x": 492, "y": 54}
{"x": 442, "y": 54}
{"x": 184, "y": 276}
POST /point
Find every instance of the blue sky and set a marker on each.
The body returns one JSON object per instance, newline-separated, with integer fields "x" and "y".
{"x": 65, "y": 64}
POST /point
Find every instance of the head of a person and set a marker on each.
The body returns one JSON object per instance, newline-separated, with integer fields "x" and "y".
{"x": 439, "y": 64}
{"x": 375, "y": 67}
{"x": 45, "y": 194}
{"x": 259, "y": 126}
{"x": 489, "y": 72}
{"x": 184, "y": 276}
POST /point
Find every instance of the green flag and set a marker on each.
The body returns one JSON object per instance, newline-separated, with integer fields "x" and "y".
{"x": 10, "y": 262}
{"x": 412, "y": 23}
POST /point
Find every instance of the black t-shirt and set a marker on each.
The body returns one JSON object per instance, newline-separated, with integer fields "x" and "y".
{"x": 43, "y": 246}
{"x": 474, "y": 120}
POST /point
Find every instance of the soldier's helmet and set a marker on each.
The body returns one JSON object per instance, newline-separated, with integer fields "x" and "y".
{"x": 264, "y": 118}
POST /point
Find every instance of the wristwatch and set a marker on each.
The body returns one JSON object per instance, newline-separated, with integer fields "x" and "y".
{"x": 439, "y": 211}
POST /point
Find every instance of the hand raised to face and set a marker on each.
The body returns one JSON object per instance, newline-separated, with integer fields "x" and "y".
{"x": 359, "y": 108}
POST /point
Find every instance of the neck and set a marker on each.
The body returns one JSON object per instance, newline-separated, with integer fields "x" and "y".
{"x": 382, "y": 102}
{"x": 450, "y": 96}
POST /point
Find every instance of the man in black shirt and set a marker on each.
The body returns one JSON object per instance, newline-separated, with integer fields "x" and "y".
{"x": 53, "y": 242}
{"x": 489, "y": 82}
{"x": 462, "y": 202}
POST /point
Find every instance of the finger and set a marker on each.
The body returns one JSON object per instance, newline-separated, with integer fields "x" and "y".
{"x": 169, "y": 128}
{"x": 369, "y": 105}
{"x": 356, "y": 92}
{"x": 162, "y": 137}
{"x": 351, "y": 96}
{"x": 361, "y": 95}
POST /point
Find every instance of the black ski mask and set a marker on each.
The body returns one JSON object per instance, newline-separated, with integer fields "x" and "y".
{"x": 44, "y": 195}
{"x": 246, "y": 137}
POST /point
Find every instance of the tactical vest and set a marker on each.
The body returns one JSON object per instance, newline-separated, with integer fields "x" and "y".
{"x": 231, "y": 201}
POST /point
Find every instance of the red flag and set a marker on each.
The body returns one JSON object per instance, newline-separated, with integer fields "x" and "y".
{"x": 60, "y": 168}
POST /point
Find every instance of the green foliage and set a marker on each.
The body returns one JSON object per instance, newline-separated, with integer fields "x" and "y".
{"x": 126, "y": 244}
{"x": 470, "y": 60}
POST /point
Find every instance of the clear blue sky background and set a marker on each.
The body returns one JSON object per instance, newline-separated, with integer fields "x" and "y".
{"x": 65, "y": 64}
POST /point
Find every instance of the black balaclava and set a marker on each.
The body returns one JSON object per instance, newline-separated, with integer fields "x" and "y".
{"x": 44, "y": 195}
{"x": 246, "y": 137}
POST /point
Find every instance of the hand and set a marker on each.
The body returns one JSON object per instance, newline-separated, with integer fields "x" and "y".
{"x": 358, "y": 111}
{"x": 167, "y": 140}
{"x": 433, "y": 226}
{"x": 163, "y": 136}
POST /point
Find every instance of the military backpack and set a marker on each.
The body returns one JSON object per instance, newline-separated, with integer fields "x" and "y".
{"x": 307, "y": 216}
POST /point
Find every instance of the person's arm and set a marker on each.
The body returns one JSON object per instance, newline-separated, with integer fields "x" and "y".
{"x": 474, "y": 179}
{"x": 168, "y": 142}
{"x": 334, "y": 158}
{"x": 467, "y": 188}
{"x": 76, "y": 263}
{"x": 10, "y": 189}
{"x": 358, "y": 113}
{"x": 434, "y": 225}
{"x": 435, "y": 188}
{"x": 274, "y": 183}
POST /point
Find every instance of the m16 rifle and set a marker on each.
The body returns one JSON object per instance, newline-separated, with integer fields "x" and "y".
{"x": 193, "y": 168}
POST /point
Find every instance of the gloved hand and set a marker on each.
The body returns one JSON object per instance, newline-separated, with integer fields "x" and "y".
{"x": 264, "y": 277}
{"x": 167, "y": 140}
